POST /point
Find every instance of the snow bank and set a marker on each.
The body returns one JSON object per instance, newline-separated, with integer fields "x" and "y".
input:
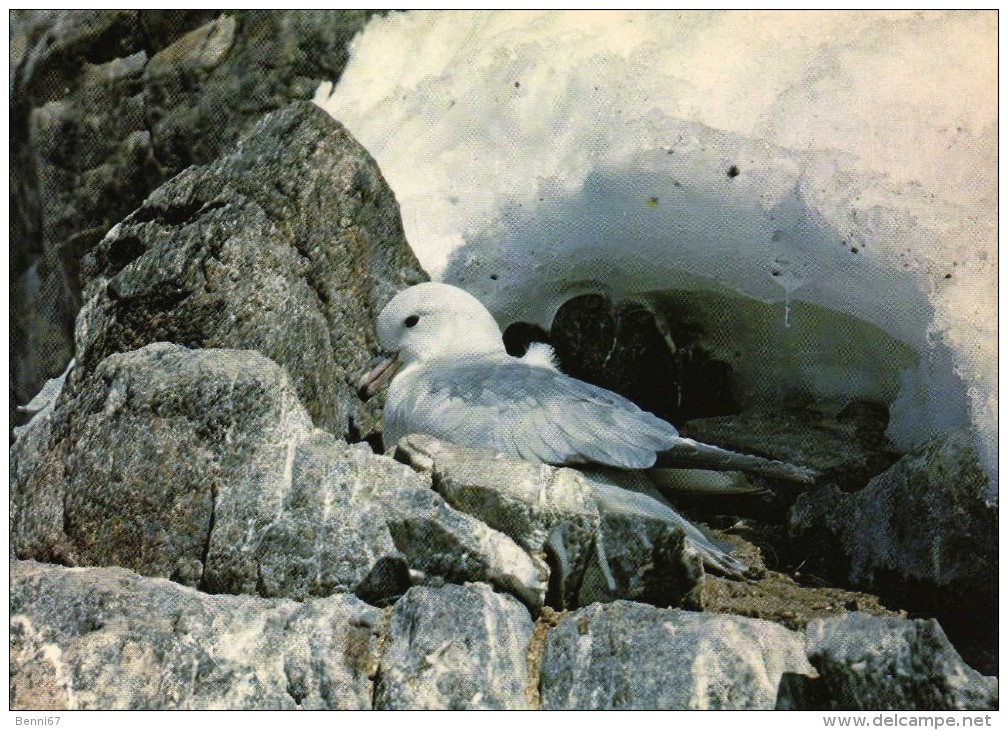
{"x": 819, "y": 162}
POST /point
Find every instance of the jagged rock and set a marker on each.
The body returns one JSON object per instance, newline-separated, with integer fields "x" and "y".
{"x": 209, "y": 84}
{"x": 354, "y": 521}
{"x": 601, "y": 541}
{"x": 455, "y": 648}
{"x": 202, "y": 465}
{"x": 105, "y": 106}
{"x": 106, "y": 638}
{"x": 286, "y": 246}
{"x": 922, "y": 534}
{"x": 871, "y": 663}
{"x": 631, "y": 656}
{"x": 81, "y": 159}
{"x": 550, "y": 512}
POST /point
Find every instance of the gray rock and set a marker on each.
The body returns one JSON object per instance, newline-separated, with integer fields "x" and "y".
{"x": 601, "y": 541}
{"x": 137, "y": 454}
{"x": 81, "y": 159}
{"x": 352, "y": 521}
{"x": 286, "y": 246}
{"x": 209, "y": 84}
{"x": 202, "y": 466}
{"x": 550, "y": 512}
{"x": 105, "y": 106}
{"x": 106, "y": 638}
{"x": 631, "y": 656}
{"x": 881, "y": 663}
{"x": 455, "y": 648}
{"x": 921, "y": 534}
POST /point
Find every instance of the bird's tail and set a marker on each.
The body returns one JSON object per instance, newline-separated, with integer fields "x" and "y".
{"x": 694, "y": 454}
{"x": 630, "y": 492}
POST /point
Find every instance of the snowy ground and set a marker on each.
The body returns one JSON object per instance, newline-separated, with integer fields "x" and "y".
{"x": 845, "y": 160}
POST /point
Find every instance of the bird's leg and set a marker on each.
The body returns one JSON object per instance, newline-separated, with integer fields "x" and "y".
{"x": 693, "y": 454}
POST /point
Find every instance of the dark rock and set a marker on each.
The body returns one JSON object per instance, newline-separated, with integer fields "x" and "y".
{"x": 288, "y": 246}
{"x": 388, "y": 579}
{"x": 922, "y": 534}
{"x": 106, "y": 638}
{"x": 202, "y": 466}
{"x": 632, "y": 656}
{"x": 209, "y": 84}
{"x": 520, "y": 335}
{"x": 621, "y": 346}
{"x": 455, "y": 648}
{"x": 105, "y": 106}
{"x": 733, "y": 350}
{"x": 870, "y": 663}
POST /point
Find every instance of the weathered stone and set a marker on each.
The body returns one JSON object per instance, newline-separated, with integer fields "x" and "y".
{"x": 550, "y": 512}
{"x": 81, "y": 159}
{"x": 201, "y": 465}
{"x": 354, "y": 521}
{"x": 455, "y": 648}
{"x": 286, "y": 246}
{"x": 601, "y": 541}
{"x": 106, "y": 638}
{"x": 105, "y": 106}
{"x": 871, "y": 663}
{"x": 209, "y": 84}
{"x": 778, "y": 597}
{"x": 631, "y": 656}
{"x": 921, "y": 534}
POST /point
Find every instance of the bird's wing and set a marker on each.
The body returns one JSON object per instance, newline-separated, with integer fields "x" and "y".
{"x": 534, "y": 413}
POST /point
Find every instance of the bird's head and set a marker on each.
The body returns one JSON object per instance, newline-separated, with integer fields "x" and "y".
{"x": 428, "y": 322}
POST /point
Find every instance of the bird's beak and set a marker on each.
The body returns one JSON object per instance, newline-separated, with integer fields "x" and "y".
{"x": 382, "y": 369}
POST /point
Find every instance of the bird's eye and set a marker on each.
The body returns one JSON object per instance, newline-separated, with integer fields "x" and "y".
{"x": 411, "y": 320}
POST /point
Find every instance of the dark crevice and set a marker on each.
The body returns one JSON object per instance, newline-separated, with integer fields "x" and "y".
{"x": 213, "y": 253}
{"x": 317, "y": 285}
{"x": 374, "y": 440}
{"x": 384, "y": 627}
{"x": 58, "y": 68}
{"x": 209, "y": 537}
{"x": 315, "y": 282}
{"x": 72, "y": 253}
{"x": 176, "y": 215}
{"x": 120, "y": 253}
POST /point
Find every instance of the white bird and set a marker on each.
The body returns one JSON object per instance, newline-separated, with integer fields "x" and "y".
{"x": 452, "y": 378}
